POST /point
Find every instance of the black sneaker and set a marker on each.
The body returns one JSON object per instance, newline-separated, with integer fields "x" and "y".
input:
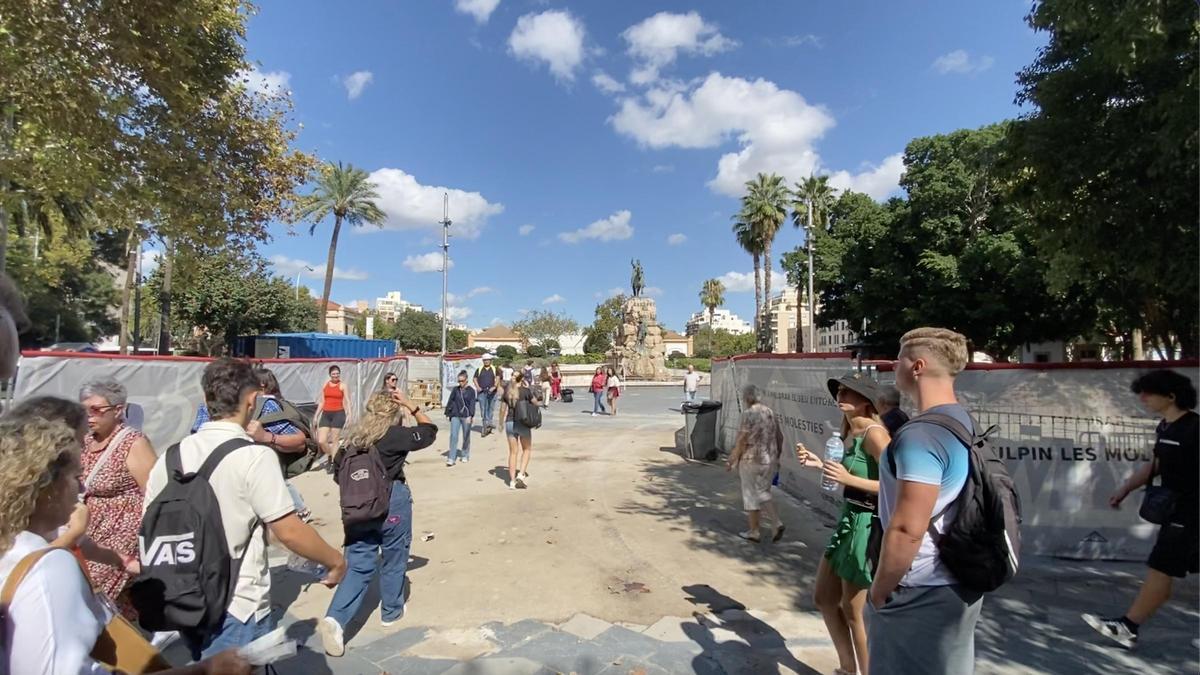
{"x": 1113, "y": 629}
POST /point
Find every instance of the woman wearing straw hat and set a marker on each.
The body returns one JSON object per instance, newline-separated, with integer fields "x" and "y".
{"x": 844, "y": 575}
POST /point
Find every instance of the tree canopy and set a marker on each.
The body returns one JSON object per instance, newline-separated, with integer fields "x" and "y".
{"x": 608, "y": 317}
{"x": 540, "y": 326}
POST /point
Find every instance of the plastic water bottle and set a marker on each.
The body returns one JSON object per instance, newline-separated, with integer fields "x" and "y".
{"x": 305, "y": 566}
{"x": 834, "y": 451}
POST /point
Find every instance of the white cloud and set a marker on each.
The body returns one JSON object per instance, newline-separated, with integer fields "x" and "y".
{"x": 496, "y": 321}
{"x": 554, "y": 299}
{"x": 269, "y": 84}
{"x": 356, "y": 82}
{"x": 776, "y": 130}
{"x": 610, "y": 293}
{"x": 959, "y": 62}
{"x": 607, "y": 83}
{"x": 410, "y": 205}
{"x": 612, "y": 228}
{"x": 743, "y": 282}
{"x": 663, "y": 168}
{"x": 524, "y": 230}
{"x": 480, "y": 291}
{"x": 657, "y": 41}
{"x": 480, "y": 9}
{"x": 653, "y": 291}
{"x": 801, "y": 40}
{"x": 876, "y": 181}
{"x": 457, "y": 313}
{"x": 554, "y": 37}
{"x": 289, "y": 267}
{"x": 676, "y": 239}
{"x": 428, "y": 262}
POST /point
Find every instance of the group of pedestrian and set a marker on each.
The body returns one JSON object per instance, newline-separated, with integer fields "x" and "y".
{"x": 882, "y": 584}
{"x": 606, "y": 386}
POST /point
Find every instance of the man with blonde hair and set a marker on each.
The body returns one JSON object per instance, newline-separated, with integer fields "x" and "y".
{"x": 919, "y": 619}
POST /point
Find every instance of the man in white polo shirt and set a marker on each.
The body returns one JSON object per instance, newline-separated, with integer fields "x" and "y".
{"x": 250, "y": 491}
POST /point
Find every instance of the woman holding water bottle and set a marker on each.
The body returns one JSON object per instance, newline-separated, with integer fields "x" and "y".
{"x": 844, "y": 574}
{"x": 756, "y": 456}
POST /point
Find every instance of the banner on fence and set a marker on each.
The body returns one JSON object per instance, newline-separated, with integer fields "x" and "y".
{"x": 450, "y": 370}
{"x": 1069, "y": 435}
{"x": 164, "y": 392}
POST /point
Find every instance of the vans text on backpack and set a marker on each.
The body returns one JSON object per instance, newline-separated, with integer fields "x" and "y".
{"x": 188, "y": 575}
{"x": 981, "y": 547}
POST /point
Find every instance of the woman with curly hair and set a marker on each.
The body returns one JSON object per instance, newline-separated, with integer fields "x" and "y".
{"x": 381, "y": 427}
{"x": 53, "y": 614}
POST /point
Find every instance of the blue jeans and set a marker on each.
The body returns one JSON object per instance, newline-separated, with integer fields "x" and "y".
{"x": 689, "y": 396}
{"x": 363, "y": 542}
{"x": 233, "y": 633}
{"x": 487, "y": 408}
{"x": 598, "y": 406}
{"x": 297, "y": 498}
{"x": 459, "y": 425}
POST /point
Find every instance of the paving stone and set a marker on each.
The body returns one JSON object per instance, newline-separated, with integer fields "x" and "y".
{"x": 493, "y": 665}
{"x": 625, "y": 641}
{"x": 635, "y": 667}
{"x": 345, "y": 665}
{"x": 676, "y": 660}
{"x": 584, "y": 626}
{"x": 412, "y": 665}
{"x": 514, "y": 634}
{"x": 566, "y": 653}
{"x": 669, "y": 629}
{"x": 390, "y": 645}
{"x": 738, "y": 658}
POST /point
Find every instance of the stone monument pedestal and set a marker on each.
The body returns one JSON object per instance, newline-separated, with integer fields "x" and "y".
{"x": 641, "y": 352}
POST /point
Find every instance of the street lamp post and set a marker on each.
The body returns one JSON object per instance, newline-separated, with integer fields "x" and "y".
{"x": 298, "y": 273}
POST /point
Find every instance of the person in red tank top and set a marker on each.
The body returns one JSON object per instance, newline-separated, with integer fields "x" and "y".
{"x": 333, "y": 406}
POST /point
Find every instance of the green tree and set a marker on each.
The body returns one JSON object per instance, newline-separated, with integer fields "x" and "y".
{"x": 541, "y": 325}
{"x": 506, "y": 352}
{"x": 712, "y": 296}
{"x": 68, "y": 296}
{"x": 608, "y": 317}
{"x": 1108, "y": 160}
{"x": 456, "y": 339}
{"x": 347, "y": 194}
{"x": 418, "y": 331}
{"x": 764, "y": 209}
{"x": 724, "y": 343}
{"x": 750, "y": 241}
{"x": 812, "y": 200}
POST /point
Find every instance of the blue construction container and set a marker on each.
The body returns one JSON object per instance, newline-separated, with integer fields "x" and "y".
{"x": 313, "y": 346}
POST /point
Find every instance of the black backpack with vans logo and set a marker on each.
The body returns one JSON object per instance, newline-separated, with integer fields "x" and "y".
{"x": 188, "y": 575}
{"x": 366, "y": 490}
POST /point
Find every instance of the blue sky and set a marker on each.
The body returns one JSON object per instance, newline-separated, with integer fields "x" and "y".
{"x": 573, "y": 137}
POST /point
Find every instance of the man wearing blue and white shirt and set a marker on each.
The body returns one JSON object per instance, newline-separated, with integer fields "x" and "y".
{"x": 919, "y": 620}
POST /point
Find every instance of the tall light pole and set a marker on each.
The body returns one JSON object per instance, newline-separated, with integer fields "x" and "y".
{"x": 298, "y": 273}
{"x": 812, "y": 313}
{"x": 445, "y": 266}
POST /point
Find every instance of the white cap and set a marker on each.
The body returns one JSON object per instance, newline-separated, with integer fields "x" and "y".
{"x": 489, "y": 357}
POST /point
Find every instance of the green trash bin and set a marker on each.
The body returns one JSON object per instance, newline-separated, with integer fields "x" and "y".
{"x": 701, "y": 429}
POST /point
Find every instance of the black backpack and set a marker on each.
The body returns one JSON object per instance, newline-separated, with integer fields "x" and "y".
{"x": 365, "y": 487}
{"x": 188, "y": 575}
{"x": 982, "y": 545}
{"x": 291, "y": 463}
{"x": 528, "y": 413}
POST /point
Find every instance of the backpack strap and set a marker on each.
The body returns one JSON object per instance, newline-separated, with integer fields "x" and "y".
{"x": 964, "y": 436}
{"x": 174, "y": 463}
{"x": 18, "y": 575}
{"x": 223, "y": 450}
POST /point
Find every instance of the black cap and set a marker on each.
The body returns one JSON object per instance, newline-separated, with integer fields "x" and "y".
{"x": 856, "y": 382}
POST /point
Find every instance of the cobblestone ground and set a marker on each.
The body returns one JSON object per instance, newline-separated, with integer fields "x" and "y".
{"x": 621, "y": 558}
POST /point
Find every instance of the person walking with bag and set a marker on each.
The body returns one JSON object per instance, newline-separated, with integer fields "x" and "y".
{"x": 460, "y": 408}
{"x": 844, "y": 573}
{"x": 517, "y": 409}
{"x": 756, "y": 455}
{"x": 599, "y": 388}
{"x": 116, "y": 462}
{"x": 376, "y": 511}
{"x": 488, "y": 380}
{"x": 1173, "y": 504}
{"x": 546, "y": 383}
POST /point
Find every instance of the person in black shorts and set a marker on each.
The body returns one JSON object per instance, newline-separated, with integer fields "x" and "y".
{"x": 1176, "y": 462}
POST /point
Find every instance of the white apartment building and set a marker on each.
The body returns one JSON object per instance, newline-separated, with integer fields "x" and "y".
{"x": 389, "y": 307}
{"x": 783, "y": 320}
{"x": 835, "y": 338}
{"x": 723, "y": 319}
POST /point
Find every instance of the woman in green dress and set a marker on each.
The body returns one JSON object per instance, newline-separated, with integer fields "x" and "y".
{"x": 844, "y": 575}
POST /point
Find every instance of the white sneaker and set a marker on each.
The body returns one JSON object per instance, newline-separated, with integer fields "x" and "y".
{"x": 464, "y": 460}
{"x": 1113, "y": 629}
{"x": 512, "y": 485}
{"x": 449, "y": 462}
{"x": 593, "y": 414}
{"x": 523, "y": 477}
{"x": 393, "y": 622}
{"x": 331, "y": 636}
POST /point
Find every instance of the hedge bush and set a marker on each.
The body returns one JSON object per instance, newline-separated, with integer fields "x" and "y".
{"x": 702, "y": 365}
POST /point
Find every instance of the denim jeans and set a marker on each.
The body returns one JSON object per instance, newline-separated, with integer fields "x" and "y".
{"x": 487, "y": 408}
{"x": 297, "y": 498}
{"x": 690, "y": 396}
{"x": 459, "y": 425}
{"x": 363, "y": 542}
{"x": 233, "y": 633}
{"x": 598, "y": 406}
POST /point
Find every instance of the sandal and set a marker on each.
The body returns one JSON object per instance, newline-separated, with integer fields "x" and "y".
{"x": 779, "y": 535}
{"x": 749, "y": 536}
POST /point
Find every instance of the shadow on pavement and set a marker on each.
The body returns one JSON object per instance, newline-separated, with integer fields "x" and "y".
{"x": 759, "y": 648}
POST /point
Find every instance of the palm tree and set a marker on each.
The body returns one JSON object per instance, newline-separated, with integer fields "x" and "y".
{"x": 349, "y": 195}
{"x": 814, "y": 192}
{"x": 712, "y": 296}
{"x": 750, "y": 241}
{"x": 765, "y": 207}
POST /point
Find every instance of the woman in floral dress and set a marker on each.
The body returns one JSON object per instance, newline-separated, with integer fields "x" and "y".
{"x": 116, "y": 463}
